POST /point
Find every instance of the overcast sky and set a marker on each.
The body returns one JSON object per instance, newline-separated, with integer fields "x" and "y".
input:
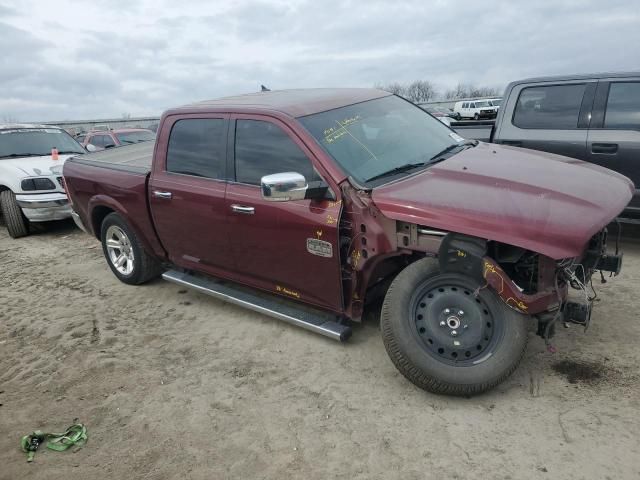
{"x": 73, "y": 59}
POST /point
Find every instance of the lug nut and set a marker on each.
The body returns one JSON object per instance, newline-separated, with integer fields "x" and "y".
{"x": 443, "y": 323}
{"x": 447, "y": 311}
{"x": 460, "y": 312}
{"x": 466, "y": 326}
{"x": 454, "y": 333}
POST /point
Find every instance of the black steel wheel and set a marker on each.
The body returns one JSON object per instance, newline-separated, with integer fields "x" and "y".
{"x": 455, "y": 326}
{"x": 448, "y": 335}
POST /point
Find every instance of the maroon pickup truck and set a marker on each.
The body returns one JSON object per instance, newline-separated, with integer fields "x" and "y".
{"x": 307, "y": 205}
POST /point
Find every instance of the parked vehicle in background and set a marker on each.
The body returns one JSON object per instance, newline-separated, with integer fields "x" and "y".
{"x": 475, "y": 109}
{"x": 441, "y": 113}
{"x": 308, "y": 204}
{"x": 595, "y": 118}
{"x": 116, "y": 138}
{"x": 31, "y": 185}
{"x": 495, "y": 102}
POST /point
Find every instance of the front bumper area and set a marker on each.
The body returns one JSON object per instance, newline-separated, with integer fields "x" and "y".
{"x": 44, "y": 207}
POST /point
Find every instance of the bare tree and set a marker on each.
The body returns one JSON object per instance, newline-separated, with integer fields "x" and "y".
{"x": 465, "y": 90}
{"x": 395, "y": 88}
{"x": 420, "y": 91}
{"x": 8, "y": 118}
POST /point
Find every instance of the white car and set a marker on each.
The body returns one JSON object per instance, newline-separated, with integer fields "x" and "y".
{"x": 31, "y": 184}
{"x": 475, "y": 109}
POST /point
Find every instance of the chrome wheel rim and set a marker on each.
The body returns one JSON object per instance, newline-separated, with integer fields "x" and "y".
{"x": 119, "y": 250}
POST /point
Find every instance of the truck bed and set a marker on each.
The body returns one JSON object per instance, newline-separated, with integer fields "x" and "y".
{"x": 135, "y": 158}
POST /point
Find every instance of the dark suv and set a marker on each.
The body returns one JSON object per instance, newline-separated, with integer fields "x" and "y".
{"x": 595, "y": 118}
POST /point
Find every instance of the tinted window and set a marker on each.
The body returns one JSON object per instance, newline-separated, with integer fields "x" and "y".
{"x": 623, "y": 106}
{"x": 197, "y": 147}
{"x": 263, "y": 148}
{"x": 136, "y": 136}
{"x": 554, "y": 107}
{"x": 97, "y": 140}
{"x": 465, "y": 105}
{"x": 80, "y": 138}
{"x": 108, "y": 141}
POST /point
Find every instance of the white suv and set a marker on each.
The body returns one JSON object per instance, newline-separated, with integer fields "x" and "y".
{"x": 31, "y": 184}
{"x": 475, "y": 109}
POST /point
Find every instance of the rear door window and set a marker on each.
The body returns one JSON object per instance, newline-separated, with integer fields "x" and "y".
{"x": 197, "y": 147}
{"x": 108, "y": 141}
{"x": 623, "y": 106}
{"x": 97, "y": 140}
{"x": 263, "y": 148}
{"x": 549, "y": 107}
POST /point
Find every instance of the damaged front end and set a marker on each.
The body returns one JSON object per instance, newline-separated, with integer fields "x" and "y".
{"x": 531, "y": 283}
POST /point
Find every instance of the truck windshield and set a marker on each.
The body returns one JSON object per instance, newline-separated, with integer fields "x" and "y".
{"x": 382, "y": 135}
{"x": 32, "y": 142}
{"x": 135, "y": 137}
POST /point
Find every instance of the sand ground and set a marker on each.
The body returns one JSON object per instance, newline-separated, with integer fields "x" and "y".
{"x": 174, "y": 384}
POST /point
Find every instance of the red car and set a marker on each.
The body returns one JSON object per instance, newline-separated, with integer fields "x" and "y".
{"x": 307, "y": 205}
{"x": 115, "y": 138}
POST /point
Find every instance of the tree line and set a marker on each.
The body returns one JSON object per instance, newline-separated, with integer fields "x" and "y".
{"x": 420, "y": 91}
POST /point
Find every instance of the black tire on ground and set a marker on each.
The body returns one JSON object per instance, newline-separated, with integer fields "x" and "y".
{"x": 423, "y": 349}
{"x": 14, "y": 219}
{"x": 458, "y": 117}
{"x": 143, "y": 267}
{"x": 476, "y": 116}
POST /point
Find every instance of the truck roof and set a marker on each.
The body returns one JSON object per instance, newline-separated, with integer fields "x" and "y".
{"x": 577, "y": 76}
{"x": 296, "y": 103}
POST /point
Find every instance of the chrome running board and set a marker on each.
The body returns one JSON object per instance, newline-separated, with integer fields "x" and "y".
{"x": 302, "y": 316}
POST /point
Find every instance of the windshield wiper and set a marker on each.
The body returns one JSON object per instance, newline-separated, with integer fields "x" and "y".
{"x": 64, "y": 152}
{"x": 393, "y": 171}
{"x": 438, "y": 157}
{"x": 18, "y": 155}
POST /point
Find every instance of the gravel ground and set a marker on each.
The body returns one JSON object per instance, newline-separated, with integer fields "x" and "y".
{"x": 174, "y": 384}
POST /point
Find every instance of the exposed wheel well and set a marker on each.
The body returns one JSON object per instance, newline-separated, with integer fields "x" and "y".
{"x": 384, "y": 273}
{"x": 97, "y": 216}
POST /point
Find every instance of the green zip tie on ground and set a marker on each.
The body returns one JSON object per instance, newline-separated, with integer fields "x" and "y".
{"x": 76, "y": 434}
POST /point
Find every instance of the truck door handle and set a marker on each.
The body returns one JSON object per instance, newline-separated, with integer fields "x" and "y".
{"x": 513, "y": 143}
{"x": 608, "y": 148}
{"x": 243, "y": 209}
{"x": 159, "y": 194}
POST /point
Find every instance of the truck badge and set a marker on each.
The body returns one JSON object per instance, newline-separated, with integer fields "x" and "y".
{"x": 319, "y": 247}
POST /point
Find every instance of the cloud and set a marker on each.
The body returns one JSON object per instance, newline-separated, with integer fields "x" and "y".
{"x": 72, "y": 59}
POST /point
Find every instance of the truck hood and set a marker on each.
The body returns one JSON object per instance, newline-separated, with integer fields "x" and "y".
{"x": 34, "y": 166}
{"x": 545, "y": 203}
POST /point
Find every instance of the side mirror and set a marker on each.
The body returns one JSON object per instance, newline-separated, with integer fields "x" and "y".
{"x": 91, "y": 147}
{"x": 283, "y": 187}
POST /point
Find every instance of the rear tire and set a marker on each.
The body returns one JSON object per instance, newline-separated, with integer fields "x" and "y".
{"x": 476, "y": 116}
{"x": 421, "y": 310}
{"x": 125, "y": 254}
{"x": 16, "y": 222}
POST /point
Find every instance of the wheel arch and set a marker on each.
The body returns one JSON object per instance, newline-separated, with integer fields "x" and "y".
{"x": 98, "y": 214}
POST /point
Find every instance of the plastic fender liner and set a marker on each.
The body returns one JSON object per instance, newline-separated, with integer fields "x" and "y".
{"x": 462, "y": 254}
